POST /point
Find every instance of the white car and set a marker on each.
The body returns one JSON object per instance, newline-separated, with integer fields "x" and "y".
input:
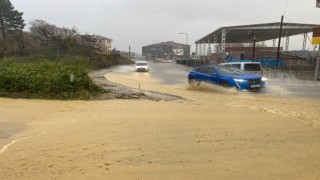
{"x": 142, "y": 66}
{"x": 250, "y": 67}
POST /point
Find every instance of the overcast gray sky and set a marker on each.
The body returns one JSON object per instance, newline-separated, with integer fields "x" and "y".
{"x": 140, "y": 22}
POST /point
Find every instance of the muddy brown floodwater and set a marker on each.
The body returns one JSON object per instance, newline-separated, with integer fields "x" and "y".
{"x": 210, "y": 134}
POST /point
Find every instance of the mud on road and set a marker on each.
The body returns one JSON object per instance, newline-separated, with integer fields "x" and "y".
{"x": 213, "y": 134}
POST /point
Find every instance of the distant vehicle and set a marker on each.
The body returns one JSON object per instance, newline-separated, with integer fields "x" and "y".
{"x": 226, "y": 77}
{"x": 250, "y": 67}
{"x": 142, "y": 66}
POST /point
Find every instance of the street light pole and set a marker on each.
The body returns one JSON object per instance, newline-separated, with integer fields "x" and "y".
{"x": 254, "y": 44}
{"x": 157, "y": 41}
{"x": 161, "y": 51}
{"x": 129, "y": 52}
{"x": 186, "y": 37}
{"x": 279, "y": 43}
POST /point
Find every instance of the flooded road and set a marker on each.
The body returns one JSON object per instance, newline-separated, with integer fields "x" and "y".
{"x": 173, "y": 74}
{"x": 294, "y": 88}
{"x": 212, "y": 133}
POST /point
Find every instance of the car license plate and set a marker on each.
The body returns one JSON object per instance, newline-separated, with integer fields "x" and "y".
{"x": 255, "y": 85}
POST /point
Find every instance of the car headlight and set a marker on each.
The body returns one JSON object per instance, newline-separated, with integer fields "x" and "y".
{"x": 240, "y": 80}
{"x": 264, "y": 79}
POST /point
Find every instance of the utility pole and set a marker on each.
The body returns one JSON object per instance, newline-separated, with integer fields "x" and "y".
{"x": 279, "y": 43}
{"x": 254, "y": 44}
{"x": 129, "y": 52}
{"x": 186, "y": 37}
{"x": 161, "y": 52}
{"x": 157, "y": 52}
{"x": 316, "y": 71}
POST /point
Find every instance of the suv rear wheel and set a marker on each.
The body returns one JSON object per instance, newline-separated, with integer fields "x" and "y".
{"x": 225, "y": 84}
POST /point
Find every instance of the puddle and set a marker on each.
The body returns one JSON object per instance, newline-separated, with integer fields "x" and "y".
{"x": 8, "y": 129}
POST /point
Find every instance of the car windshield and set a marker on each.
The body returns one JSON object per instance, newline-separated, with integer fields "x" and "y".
{"x": 252, "y": 67}
{"x": 141, "y": 64}
{"x": 230, "y": 71}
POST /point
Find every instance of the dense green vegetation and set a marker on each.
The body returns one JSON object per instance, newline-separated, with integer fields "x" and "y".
{"x": 45, "y": 79}
{"x": 48, "y": 62}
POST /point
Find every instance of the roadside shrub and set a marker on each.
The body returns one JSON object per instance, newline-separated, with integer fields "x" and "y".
{"x": 92, "y": 63}
{"x": 45, "y": 79}
{"x": 101, "y": 62}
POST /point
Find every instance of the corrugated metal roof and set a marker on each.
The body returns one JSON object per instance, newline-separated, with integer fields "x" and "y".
{"x": 263, "y": 32}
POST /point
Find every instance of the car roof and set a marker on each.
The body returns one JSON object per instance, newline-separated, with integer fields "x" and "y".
{"x": 218, "y": 67}
{"x": 241, "y": 63}
{"x": 141, "y": 61}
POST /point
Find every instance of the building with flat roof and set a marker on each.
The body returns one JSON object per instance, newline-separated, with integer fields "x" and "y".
{"x": 166, "y": 50}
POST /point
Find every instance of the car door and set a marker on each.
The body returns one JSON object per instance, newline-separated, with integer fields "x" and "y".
{"x": 198, "y": 74}
{"x": 201, "y": 74}
{"x": 212, "y": 76}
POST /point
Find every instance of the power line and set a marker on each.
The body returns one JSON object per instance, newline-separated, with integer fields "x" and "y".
{"x": 269, "y": 10}
{"x": 289, "y": 19}
{"x": 265, "y": 12}
{"x": 286, "y": 8}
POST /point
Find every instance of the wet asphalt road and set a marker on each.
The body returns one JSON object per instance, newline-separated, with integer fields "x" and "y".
{"x": 169, "y": 73}
{"x": 173, "y": 74}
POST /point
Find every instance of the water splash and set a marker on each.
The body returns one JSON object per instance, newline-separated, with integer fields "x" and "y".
{"x": 211, "y": 88}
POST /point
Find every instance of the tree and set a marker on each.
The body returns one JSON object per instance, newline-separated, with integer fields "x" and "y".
{"x": 49, "y": 33}
{"x": 10, "y": 19}
{"x": 36, "y": 25}
{"x": 63, "y": 40}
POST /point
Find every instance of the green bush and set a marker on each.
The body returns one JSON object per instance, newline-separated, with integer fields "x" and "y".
{"x": 45, "y": 79}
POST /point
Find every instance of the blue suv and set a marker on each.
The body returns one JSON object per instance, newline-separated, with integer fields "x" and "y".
{"x": 226, "y": 77}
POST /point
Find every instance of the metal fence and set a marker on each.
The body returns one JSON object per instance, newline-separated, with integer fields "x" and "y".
{"x": 299, "y": 72}
{"x": 192, "y": 62}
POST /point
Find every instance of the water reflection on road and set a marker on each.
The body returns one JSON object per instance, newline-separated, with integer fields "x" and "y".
{"x": 293, "y": 88}
{"x": 173, "y": 74}
{"x": 7, "y": 130}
